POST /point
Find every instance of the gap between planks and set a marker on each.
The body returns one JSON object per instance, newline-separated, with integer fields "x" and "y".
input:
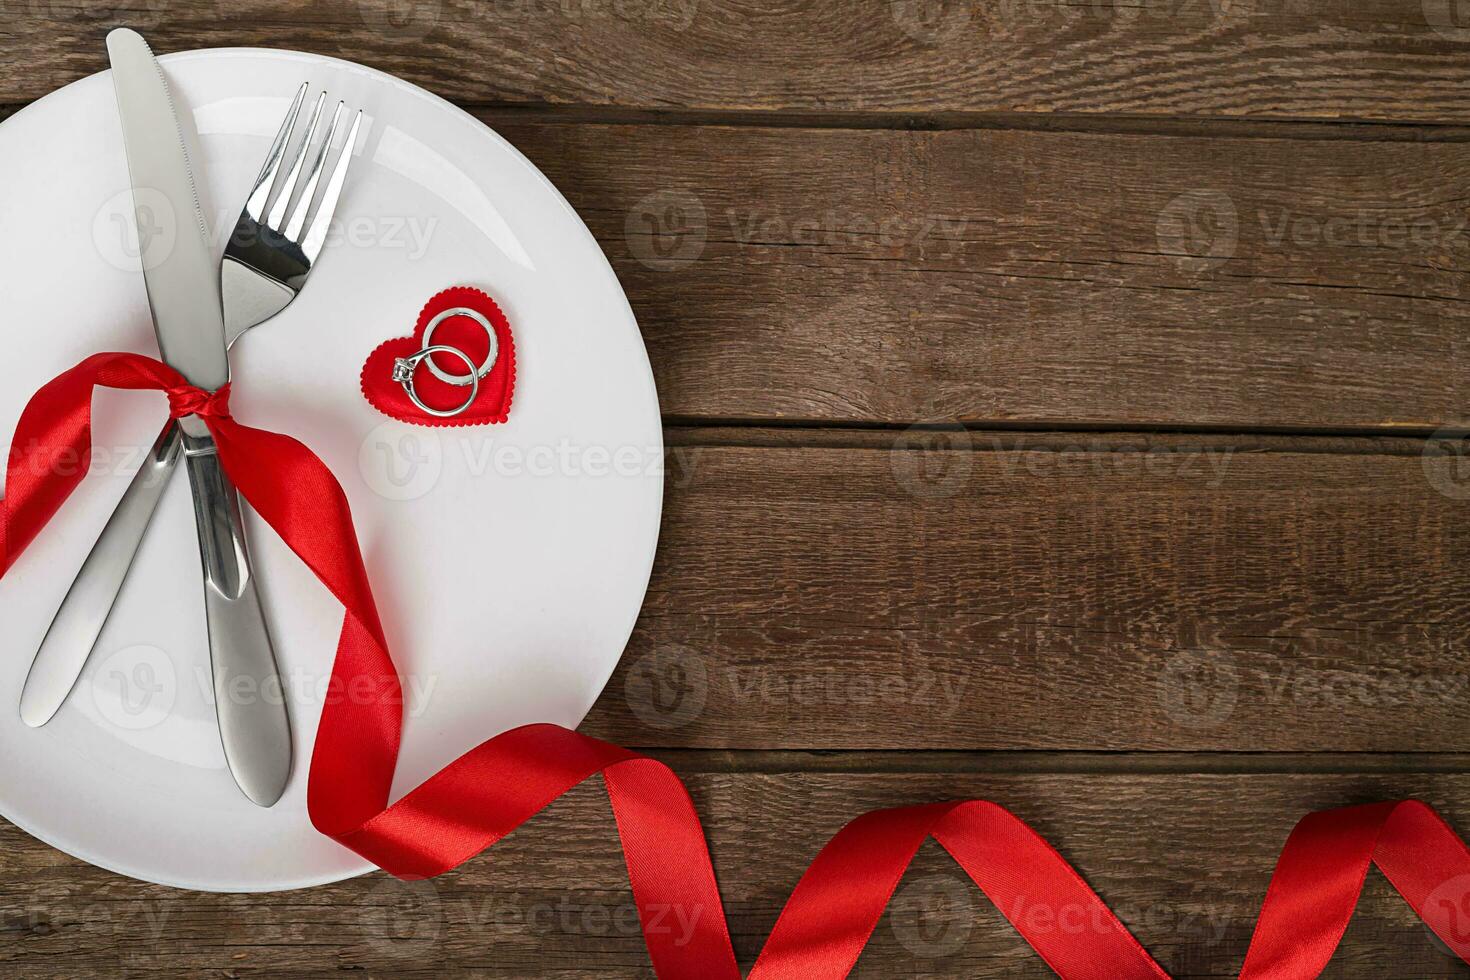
{"x": 1110, "y": 124}
{"x": 1028, "y": 761}
{"x": 1107, "y": 124}
{"x": 1049, "y": 437}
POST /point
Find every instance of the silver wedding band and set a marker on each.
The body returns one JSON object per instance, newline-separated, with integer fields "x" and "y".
{"x": 404, "y": 368}
{"x": 476, "y": 373}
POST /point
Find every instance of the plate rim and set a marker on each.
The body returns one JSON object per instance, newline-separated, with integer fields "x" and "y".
{"x": 363, "y": 866}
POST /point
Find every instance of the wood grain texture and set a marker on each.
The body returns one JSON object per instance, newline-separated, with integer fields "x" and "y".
{"x": 1184, "y": 859}
{"x": 1026, "y": 277}
{"x": 1077, "y": 592}
{"x": 1369, "y": 59}
{"x": 1042, "y": 278}
{"x": 839, "y": 219}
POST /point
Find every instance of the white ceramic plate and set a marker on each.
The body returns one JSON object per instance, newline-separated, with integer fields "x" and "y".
{"x": 509, "y": 561}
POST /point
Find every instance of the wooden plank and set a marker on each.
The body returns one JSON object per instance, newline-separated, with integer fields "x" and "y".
{"x": 1371, "y": 59}
{"x": 1066, "y": 592}
{"x": 1040, "y": 278}
{"x": 1183, "y": 859}
{"x": 1032, "y": 277}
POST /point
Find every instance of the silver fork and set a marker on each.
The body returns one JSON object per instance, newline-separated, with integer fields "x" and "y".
{"x": 271, "y": 252}
{"x": 266, "y": 262}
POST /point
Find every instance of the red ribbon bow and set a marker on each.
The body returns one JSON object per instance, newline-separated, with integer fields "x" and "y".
{"x": 495, "y": 787}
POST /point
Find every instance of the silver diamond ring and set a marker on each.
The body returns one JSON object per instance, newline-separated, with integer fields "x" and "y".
{"x": 404, "y": 369}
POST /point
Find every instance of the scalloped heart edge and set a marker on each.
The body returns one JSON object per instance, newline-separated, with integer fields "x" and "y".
{"x": 454, "y": 422}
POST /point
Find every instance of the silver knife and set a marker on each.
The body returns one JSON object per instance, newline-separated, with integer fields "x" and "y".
{"x": 183, "y": 293}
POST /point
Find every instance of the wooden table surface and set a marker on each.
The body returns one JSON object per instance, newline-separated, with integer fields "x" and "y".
{"x": 1060, "y": 399}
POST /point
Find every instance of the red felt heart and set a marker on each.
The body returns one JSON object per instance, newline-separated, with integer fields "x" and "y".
{"x": 492, "y": 404}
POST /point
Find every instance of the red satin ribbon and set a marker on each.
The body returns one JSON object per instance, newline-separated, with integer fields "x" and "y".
{"x": 495, "y": 787}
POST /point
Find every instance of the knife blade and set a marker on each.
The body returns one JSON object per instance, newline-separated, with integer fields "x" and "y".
{"x": 180, "y": 273}
{"x": 180, "y": 270}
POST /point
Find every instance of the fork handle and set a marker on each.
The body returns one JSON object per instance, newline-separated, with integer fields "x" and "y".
{"x": 249, "y": 698}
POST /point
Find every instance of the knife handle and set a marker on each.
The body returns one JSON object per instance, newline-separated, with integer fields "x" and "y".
{"x": 78, "y": 622}
{"x": 248, "y": 696}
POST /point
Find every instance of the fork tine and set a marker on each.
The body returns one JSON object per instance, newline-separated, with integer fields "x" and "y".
{"x": 316, "y": 234}
{"x": 278, "y": 210}
{"x": 298, "y": 215}
{"x": 261, "y": 192}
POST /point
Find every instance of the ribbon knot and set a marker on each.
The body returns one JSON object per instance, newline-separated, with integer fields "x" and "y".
{"x": 189, "y": 400}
